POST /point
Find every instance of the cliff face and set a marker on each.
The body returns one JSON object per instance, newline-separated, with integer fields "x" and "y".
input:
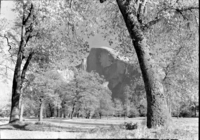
{"x": 116, "y": 71}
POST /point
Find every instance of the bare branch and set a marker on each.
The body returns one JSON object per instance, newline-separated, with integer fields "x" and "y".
{"x": 29, "y": 14}
{"x": 140, "y": 11}
{"x": 151, "y": 23}
{"x": 184, "y": 9}
{"x": 10, "y": 47}
{"x": 13, "y": 37}
{"x": 8, "y": 43}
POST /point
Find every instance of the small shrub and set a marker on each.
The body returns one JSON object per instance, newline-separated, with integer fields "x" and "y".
{"x": 130, "y": 126}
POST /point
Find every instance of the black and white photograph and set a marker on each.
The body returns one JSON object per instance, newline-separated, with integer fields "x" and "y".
{"x": 99, "y": 69}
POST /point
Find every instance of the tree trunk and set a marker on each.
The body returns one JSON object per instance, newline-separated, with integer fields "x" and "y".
{"x": 62, "y": 113}
{"x": 90, "y": 114}
{"x": 72, "y": 113}
{"x": 19, "y": 76}
{"x": 18, "y": 80}
{"x": 47, "y": 113}
{"x": 51, "y": 109}
{"x": 157, "y": 110}
{"x": 73, "y": 109}
{"x": 58, "y": 113}
{"x": 195, "y": 110}
{"x": 16, "y": 88}
{"x": 21, "y": 111}
{"x": 54, "y": 112}
{"x": 41, "y": 110}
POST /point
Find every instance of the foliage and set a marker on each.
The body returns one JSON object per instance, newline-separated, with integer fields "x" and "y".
{"x": 60, "y": 32}
{"x": 173, "y": 41}
{"x": 86, "y": 94}
{"x": 5, "y": 111}
{"x": 118, "y": 106}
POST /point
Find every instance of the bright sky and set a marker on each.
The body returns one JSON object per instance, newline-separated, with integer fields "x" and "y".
{"x": 6, "y": 11}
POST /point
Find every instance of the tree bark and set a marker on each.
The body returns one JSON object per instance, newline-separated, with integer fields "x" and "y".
{"x": 51, "y": 110}
{"x": 41, "y": 110}
{"x": 19, "y": 76}
{"x": 157, "y": 110}
{"x": 21, "y": 111}
{"x": 100, "y": 115}
{"x": 72, "y": 113}
{"x": 73, "y": 109}
{"x": 54, "y": 112}
{"x": 17, "y": 85}
{"x": 58, "y": 113}
{"x": 18, "y": 80}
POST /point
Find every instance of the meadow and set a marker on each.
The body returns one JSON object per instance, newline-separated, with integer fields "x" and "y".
{"x": 181, "y": 128}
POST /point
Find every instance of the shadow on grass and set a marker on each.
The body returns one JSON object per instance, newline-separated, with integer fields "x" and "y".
{"x": 41, "y": 126}
{"x": 20, "y": 126}
{"x": 6, "y": 127}
{"x": 13, "y": 126}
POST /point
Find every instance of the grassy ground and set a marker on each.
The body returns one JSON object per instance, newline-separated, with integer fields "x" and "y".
{"x": 183, "y": 128}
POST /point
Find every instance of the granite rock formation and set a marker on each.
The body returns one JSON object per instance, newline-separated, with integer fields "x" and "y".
{"x": 116, "y": 70}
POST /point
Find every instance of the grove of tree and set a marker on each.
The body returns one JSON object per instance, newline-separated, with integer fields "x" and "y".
{"x": 50, "y": 38}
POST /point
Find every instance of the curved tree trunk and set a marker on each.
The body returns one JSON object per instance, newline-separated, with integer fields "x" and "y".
{"x": 18, "y": 80}
{"x": 14, "y": 114}
{"x": 16, "y": 87}
{"x": 19, "y": 75}
{"x": 157, "y": 110}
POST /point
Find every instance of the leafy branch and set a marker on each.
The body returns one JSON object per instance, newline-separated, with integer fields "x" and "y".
{"x": 159, "y": 16}
{"x": 172, "y": 64}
